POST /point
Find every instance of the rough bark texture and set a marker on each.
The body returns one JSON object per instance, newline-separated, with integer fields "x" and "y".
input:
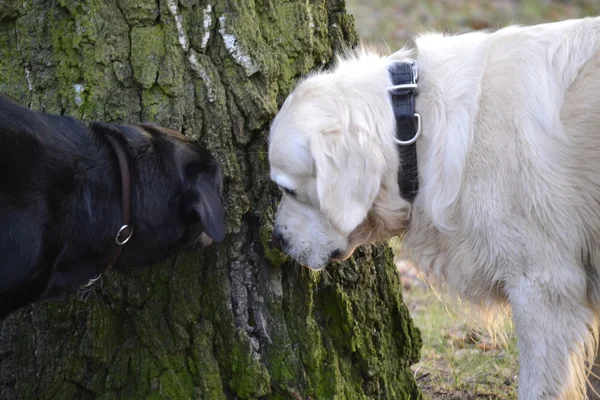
{"x": 239, "y": 320}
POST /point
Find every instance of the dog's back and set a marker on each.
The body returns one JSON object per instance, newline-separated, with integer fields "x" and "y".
{"x": 527, "y": 205}
{"x": 30, "y": 163}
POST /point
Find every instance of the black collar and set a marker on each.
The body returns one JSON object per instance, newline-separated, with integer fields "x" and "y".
{"x": 408, "y": 125}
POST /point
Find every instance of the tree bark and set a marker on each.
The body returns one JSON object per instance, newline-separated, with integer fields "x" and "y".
{"x": 238, "y": 320}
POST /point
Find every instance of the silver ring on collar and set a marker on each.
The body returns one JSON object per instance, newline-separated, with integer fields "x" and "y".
{"x": 122, "y": 242}
{"x": 92, "y": 281}
{"x": 414, "y": 138}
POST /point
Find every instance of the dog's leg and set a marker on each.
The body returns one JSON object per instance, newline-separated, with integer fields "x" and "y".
{"x": 556, "y": 331}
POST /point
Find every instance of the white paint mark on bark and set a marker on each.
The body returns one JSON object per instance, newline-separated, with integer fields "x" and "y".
{"x": 207, "y": 24}
{"x": 183, "y": 41}
{"x": 235, "y": 49}
{"x": 311, "y": 20}
{"x": 203, "y": 75}
{"x": 78, "y": 87}
{"x": 28, "y": 77}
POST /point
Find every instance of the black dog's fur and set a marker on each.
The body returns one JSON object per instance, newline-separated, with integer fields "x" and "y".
{"x": 60, "y": 200}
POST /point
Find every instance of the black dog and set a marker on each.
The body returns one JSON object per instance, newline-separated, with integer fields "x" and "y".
{"x": 64, "y": 200}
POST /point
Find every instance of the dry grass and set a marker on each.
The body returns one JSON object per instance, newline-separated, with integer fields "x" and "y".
{"x": 456, "y": 363}
{"x": 457, "y": 360}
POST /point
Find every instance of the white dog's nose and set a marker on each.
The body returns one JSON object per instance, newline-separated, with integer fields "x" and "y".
{"x": 278, "y": 241}
{"x": 334, "y": 255}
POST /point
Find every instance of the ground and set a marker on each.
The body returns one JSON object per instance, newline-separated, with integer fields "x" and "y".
{"x": 456, "y": 363}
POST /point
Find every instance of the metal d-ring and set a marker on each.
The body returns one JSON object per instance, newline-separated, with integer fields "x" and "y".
{"x": 414, "y": 138}
{"x": 122, "y": 242}
{"x": 92, "y": 281}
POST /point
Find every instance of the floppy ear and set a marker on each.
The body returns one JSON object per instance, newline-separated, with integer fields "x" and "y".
{"x": 349, "y": 172}
{"x": 210, "y": 211}
{"x": 204, "y": 202}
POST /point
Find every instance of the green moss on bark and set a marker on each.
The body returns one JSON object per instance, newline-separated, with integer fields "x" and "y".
{"x": 147, "y": 52}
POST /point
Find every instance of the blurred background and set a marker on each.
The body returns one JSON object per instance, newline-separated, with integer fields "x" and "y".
{"x": 457, "y": 361}
{"x": 395, "y": 21}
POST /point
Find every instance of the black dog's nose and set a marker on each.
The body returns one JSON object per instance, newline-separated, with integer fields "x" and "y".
{"x": 278, "y": 241}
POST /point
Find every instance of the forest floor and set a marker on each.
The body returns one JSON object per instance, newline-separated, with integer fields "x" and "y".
{"x": 456, "y": 363}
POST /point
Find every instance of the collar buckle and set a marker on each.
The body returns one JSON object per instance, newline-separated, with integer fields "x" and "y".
{"x": 410, "y": 86}
{"x": 407, "y": 74}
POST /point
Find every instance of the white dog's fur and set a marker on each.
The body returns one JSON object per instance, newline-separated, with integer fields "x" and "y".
{"x": 509, "y": 162}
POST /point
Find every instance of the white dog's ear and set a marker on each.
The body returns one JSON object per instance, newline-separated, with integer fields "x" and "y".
{"x": 349, "y": 172}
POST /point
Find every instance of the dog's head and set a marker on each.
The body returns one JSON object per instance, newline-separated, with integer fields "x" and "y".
{"x": 176, "y": 193}
{"x": 332, "y": 153}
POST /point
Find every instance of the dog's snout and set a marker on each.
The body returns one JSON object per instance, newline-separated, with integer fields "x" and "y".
{"x": 278, "y": 241}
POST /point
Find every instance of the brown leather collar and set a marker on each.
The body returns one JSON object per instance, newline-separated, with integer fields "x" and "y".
{"x": 126, "y": 230}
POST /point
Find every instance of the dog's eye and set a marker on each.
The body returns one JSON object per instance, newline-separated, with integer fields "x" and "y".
{"x": 194, "y": 168}
{"x": 288, "y": 191}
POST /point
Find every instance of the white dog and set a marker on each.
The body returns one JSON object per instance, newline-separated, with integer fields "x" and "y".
{"x": 508, "y": 159}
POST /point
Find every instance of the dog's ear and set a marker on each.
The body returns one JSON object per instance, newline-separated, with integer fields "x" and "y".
{"x": 349, "y": 172}
{"x": 203, "y": 200}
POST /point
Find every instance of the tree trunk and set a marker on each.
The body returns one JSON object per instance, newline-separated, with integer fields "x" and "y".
{"x": 238, "y": 320}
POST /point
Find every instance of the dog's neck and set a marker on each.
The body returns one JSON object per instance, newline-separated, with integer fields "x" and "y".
{"x": 450, "y": 73}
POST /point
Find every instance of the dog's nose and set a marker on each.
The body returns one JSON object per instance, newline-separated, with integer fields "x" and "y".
{"x": 278, "y": 241}
{"x": 334, "y": 254}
